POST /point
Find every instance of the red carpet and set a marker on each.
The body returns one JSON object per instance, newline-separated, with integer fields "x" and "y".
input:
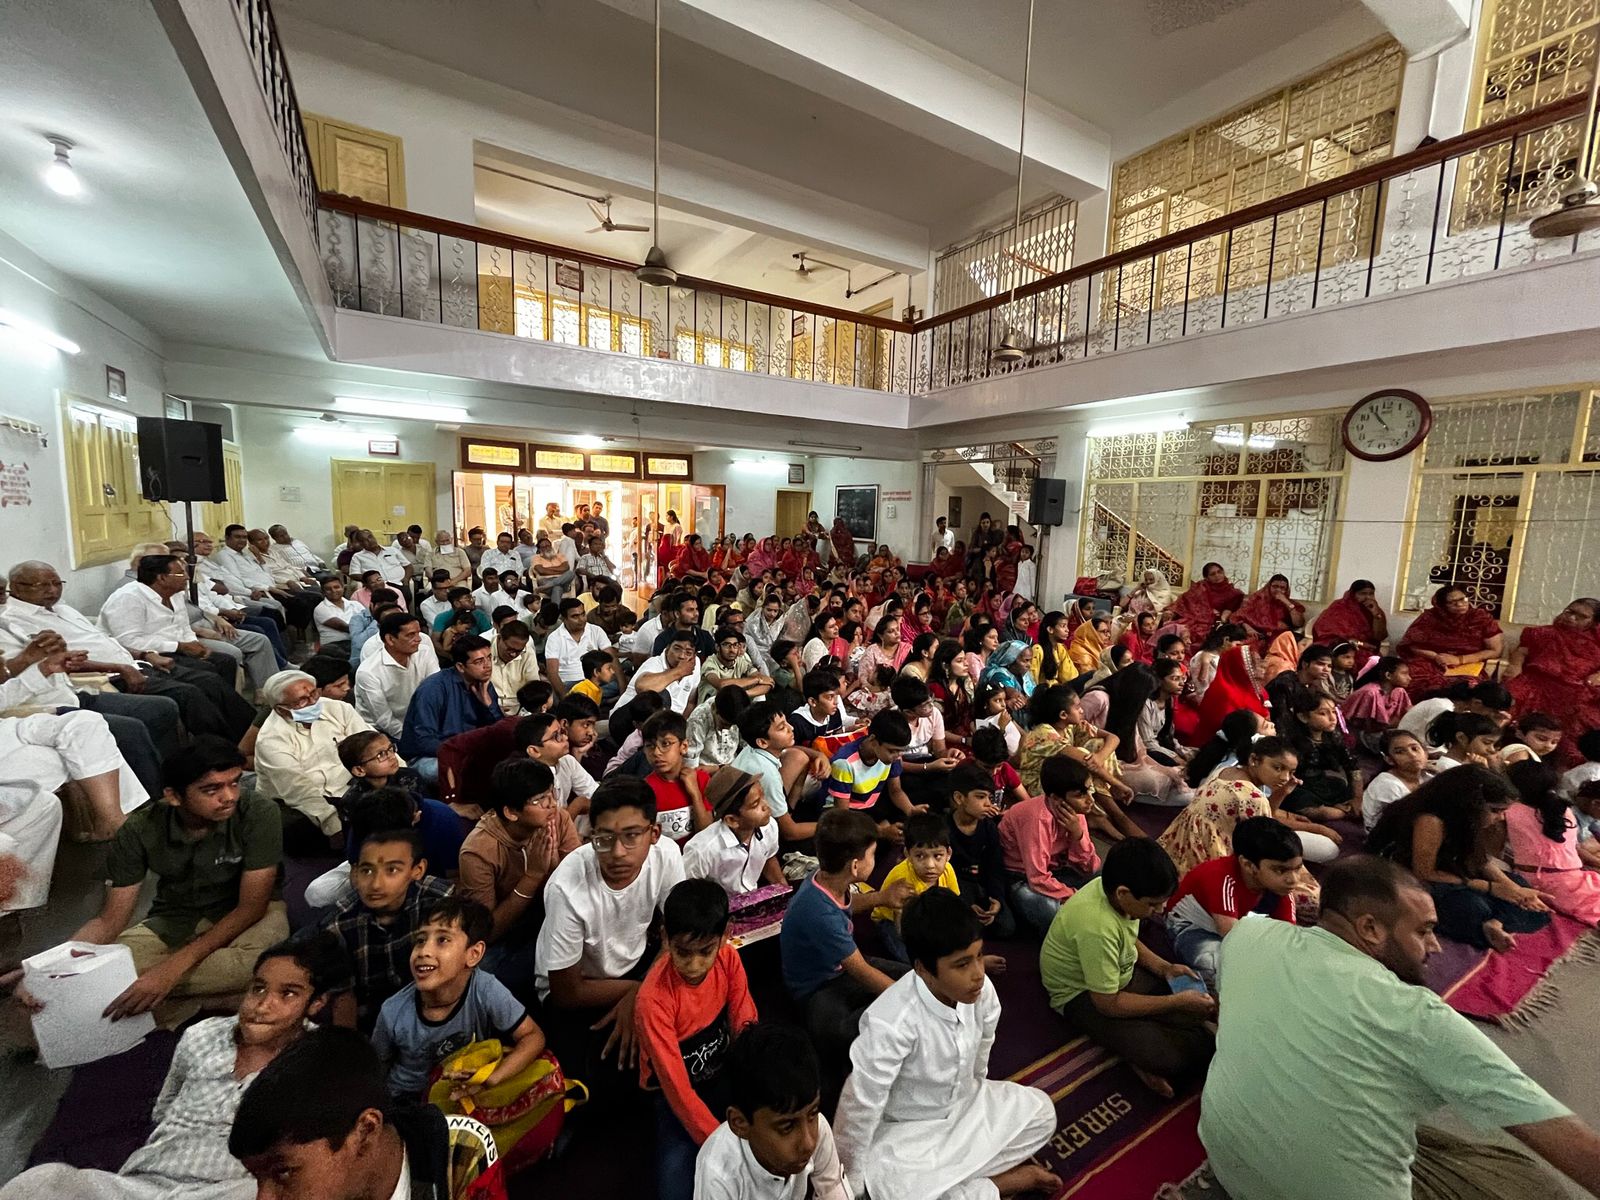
{"x": 1511, "y": 988}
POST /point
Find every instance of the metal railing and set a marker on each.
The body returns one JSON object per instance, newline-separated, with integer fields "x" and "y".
{"x": 272, "y": 73}
{"x": 387, "y": 260}
{"x": 1447, "y": 211}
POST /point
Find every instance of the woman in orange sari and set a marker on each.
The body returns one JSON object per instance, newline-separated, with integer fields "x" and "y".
{"x": 1271, "y": 611}
{"x": 1355, "y": 617}
{"x": 1210, "y": 600}
{"x": 1452, "y": 634}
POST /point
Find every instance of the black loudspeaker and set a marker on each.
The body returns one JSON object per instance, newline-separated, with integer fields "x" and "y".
{"x": 1048, "y": 504}
{"x": 180, "y": 460}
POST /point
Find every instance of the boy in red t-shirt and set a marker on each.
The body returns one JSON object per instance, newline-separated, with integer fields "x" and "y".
{"x": 1257, "y": 877}
{"x": 690, "y": 1005}
{"x": 679, "y": 788}
{"x": 989, "y": 752}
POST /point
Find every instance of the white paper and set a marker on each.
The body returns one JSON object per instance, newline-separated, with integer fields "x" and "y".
{"x": 75, "y": 981}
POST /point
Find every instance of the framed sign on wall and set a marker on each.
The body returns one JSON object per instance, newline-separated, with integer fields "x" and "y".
{"x": 858, "y": 505}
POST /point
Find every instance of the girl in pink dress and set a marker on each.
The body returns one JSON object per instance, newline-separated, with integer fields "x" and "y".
{"x": 1542, "y": 842}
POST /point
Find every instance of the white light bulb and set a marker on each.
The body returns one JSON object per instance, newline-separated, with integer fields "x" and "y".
{"x": 62, "y": 179}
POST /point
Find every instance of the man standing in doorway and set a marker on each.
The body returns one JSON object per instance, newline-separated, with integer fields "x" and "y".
{"x": 943, "y": 536}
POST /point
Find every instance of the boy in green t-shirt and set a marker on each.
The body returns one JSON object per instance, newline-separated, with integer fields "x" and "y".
{"x": 1112, "y": 987}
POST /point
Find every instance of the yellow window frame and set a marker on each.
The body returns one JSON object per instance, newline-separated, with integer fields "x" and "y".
{"x": 109, "y": 517}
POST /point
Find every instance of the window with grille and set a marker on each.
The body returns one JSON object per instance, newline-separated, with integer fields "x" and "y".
{"x": 575, "y": 324}
{"x": 1260, "y": 497}
{"x": 1507, "y": 503}
{"x": 1322, "y": 127}
{"x": 997, "y": 259}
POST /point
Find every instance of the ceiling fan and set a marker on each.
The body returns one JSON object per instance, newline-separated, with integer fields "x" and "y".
{"x": 607, "y": 225}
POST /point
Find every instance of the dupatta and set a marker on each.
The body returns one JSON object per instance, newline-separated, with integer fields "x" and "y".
{"x": 1233, "y": 687}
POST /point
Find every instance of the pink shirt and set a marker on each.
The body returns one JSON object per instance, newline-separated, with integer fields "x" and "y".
{"x": 1033, "y": 844}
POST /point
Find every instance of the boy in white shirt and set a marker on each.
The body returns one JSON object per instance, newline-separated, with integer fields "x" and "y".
{"x": 775, "y": 1143}
{"x": 333, "y": 615}
{"x": 596, "y": 943}
{"x": 739, "y": 849}
{"x": 918, "y": 1116}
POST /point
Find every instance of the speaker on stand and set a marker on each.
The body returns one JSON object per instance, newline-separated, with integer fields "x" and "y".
{"x": 1047, "y": 508}
{"x": 182, "y": 460}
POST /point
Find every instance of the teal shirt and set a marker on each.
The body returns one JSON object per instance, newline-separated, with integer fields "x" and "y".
{"x": 1326, "y": 1060}
{"x": 480, "y": 621}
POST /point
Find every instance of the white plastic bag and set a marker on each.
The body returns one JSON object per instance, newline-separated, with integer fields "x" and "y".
{"x": 75, "y": 981}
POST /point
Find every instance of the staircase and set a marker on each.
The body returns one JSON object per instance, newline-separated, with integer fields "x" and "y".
{"x": 1016, "y": 505}
{"x": 1146, "y": 553}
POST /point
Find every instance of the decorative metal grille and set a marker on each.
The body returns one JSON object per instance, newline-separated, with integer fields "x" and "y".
{"x": 1260, "y": 497}
{"x": 996, "y": 259}
{"x": 1323, "y": 127}
{"x": 1506, "y": 503}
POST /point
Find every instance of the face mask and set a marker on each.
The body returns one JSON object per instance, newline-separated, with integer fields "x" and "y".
{"x": 307, "y": 715}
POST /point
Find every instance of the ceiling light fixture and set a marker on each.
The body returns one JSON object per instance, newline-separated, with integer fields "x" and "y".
{"x": 588, "y": 441}
{"x": 63, "y": 180}
{"x": 37, "y": 333}
{"x": 398, "y": 410}
{"x": 655, "y": 270}
{"x": 821, "y": 445}
{"x": 1580, "y": 203}
{"x": 1008, "y": 352}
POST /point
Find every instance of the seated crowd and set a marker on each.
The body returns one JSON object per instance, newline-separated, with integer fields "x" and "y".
{"x": 545, "y": 831}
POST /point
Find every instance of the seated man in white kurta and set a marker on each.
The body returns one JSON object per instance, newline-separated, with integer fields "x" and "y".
{"x": 919, "y": 1118}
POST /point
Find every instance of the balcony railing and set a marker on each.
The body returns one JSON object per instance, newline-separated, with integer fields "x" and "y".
{"x": 272, "y": 73}
{"x": 387, "y": 260}
{"x": 1447, "y": 211}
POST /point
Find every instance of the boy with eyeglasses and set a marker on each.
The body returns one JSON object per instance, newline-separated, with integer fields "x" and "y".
{"x": 596, "y": 941}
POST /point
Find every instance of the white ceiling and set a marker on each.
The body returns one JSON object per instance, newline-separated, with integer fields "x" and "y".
{"x": 700, "y": 246}
{"x": 163, "y": 229}
{"x": 1112, "y": 61}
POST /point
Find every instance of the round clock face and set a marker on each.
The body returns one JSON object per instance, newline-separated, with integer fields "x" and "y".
{"x": 1386, "y": 425}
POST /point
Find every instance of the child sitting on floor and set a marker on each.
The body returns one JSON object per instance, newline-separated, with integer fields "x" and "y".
{"x": 450, "y": 1004}
{"x": 374, "y": 926}
{"x": 679, "y": 788}
{"x": 692, "y": 1003}
{"x": 823, "y": 968}
{"x": 975, "y": 851}
{"x": 1115, "y": 990}
{"x": 1588, "y": 771}
{"x": 989, "y": 752}
{"x": 1330, "y": 786}
{"x": 599, "y": 670}
{"x": 919, "y": 1117}
{"x": 739, "y": 849}
{"x": 1542, "y": 843}
{"x": 872, "y": 696}
{"x": 775, "y": 1143}
{"x": 1045, "y": 843}
{"x": 437, "y": 824}
{"x": 1533, "y": 736}
{"x": 1258, "y": 877}
{"x": 865, "y": 775}
{"x": 926, "y": 865}
{"x": 1407, "y": 760}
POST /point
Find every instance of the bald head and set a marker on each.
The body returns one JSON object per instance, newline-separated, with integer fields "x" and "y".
{"x": 35, "y": 582}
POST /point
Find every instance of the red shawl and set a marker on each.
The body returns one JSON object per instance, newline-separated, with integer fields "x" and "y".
{"x": 1554, "y": 679}
{"x": 1138, "y": 648}
{"x": 1443, "y": 633}
{"x": 1005, "y": 565}
{"x": 760, "y": 559}
{"x": 720, "y": 556}
{"x": 791, "y": 562}
{"x": 691, "y": 560}
{"x": 1264, "y": 613}
{"x": 844, "y": 542}
{"x": 1200, "y": 606}
{"x": 948, "y": 567}
{"x": 1346, "y": 621}
{"x": 1233, "y": 688}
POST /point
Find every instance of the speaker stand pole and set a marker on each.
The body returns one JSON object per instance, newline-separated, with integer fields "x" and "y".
{"x": 1041, "y": 559}
{"x": 194, "y": 584}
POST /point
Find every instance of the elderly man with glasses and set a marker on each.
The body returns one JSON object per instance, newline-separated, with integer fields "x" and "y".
{"x": 297, "y": 751}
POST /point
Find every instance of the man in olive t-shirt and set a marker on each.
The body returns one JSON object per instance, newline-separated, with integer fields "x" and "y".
{"x": 1332, "y": 1049}
{"x": 215, "y": 856}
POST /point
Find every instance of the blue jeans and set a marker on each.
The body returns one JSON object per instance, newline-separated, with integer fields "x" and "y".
{"x": 512, "y": 963}
{"x": 675, "y": 1155}
{"x": 893, "y": 944}
{"x": 426, "y": 768}
{"x": 1199, "y": 947}
{"x": 269, "y": 631}
{"x": 1034, "y": 910}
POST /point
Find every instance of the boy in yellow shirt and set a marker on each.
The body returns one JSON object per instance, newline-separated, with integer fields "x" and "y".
{"x": 926, "y": 865}
{"x": 599, "y": 669}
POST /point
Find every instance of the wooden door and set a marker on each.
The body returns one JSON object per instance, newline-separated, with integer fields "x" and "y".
{"x": 790, "y": 513}
{"x": 356, "y": 161}
{"x": 215, "y": 517}
{"x": 384, "y": 497}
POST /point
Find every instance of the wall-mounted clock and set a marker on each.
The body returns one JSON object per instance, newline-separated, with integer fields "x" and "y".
{"x": 1386, "y": 425}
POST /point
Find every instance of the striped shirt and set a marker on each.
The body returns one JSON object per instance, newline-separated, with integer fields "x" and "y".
{"x": 379, "y": 951}
{"x": 856, "y": 782}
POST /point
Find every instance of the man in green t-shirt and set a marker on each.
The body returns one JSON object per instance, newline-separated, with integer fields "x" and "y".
{"x": 215, "y": 856}
{"x": 1112, "y": 987}
{"x": 1336, "y": 1022}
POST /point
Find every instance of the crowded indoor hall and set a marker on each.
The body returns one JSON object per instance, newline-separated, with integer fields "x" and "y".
{"x": 658, "y": 598}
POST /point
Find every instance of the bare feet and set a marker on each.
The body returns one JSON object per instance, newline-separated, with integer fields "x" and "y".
{"x": 1101, "y": 824}
{"x": 1155, "y": 1083}
{"x": 1499, "y": 939}
{"x": 1028, "y": 1177}
{"x": 994, "y": 964}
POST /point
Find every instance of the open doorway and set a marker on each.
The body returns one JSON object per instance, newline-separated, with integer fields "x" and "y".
{"x": 789, "y": 514}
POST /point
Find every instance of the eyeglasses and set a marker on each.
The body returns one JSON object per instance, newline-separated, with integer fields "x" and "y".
{"x": 379, "y": 756}
{"x": 605, "y": 843}
{"x": 542, "y": 800}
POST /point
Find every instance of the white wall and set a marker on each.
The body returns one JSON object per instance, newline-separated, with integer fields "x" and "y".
{"x": 34, "y": 379}
{"x": 274, "y": 458}
{"x": 903, "y": 531}
{"x": 752, "y": 496}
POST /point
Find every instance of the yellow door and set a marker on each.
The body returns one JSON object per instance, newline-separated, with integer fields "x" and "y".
{"x": 214, "y": 518}
{"x": 354, "y": 161}
{"x": 791, "y": 511}
{"x": 384, "y": 497}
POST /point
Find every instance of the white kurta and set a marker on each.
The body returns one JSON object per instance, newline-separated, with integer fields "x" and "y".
{"x": 39, "y": 754}
{"x": 919, "y": 1118}
{"x": 726, "y": 1170}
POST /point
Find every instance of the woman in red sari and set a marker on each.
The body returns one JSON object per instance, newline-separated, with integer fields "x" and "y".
{"x": 1452, "y": 633}
{"x": 1556, "y": 669}
{"x": 843, "y": 541}
{"x": 667, "y": 545}
{"x": 1272, "y": 611}
{"x": 1210, "y": 600}
{"x": 1355, "y": 617}
{"x": 762, "y": 558}
{"x": 944, "y": 565}
{"x": 790, "y": 560}
{"x": 1233, "y": 688}
{"x": 720, "y": 550}
{"x": 692, "y": 564}
{"x": 1006, "y": 560}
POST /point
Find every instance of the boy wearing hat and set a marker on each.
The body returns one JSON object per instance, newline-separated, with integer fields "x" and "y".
{"x": 739, "y": 849}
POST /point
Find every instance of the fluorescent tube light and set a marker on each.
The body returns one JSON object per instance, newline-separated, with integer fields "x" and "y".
{"x": 38, "y": 333}
{"x": 399, "y": 410}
